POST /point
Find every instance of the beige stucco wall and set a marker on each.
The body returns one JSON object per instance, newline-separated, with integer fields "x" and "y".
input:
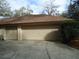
{"x": 2, "y": 34}
{"x": 1, "y": 31}
{"x": 31, "y": 33}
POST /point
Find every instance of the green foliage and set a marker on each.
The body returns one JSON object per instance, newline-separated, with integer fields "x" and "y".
{"x": 4, "y": 8}
{"x": 73, "y": 9}
{"x": 23, "y": 11}
{"x": 70, "y": 30}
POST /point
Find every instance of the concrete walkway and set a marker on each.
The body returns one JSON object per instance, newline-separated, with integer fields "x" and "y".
{"x": 36, "y": 50}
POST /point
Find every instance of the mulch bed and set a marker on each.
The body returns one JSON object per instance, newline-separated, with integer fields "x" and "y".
{"x": 74, "y": 43}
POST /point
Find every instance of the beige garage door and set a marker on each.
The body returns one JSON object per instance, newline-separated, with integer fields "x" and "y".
{"x": 39, "y": 33}
{"x": 11, "y": 33}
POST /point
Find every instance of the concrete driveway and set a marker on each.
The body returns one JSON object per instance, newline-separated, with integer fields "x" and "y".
{"x": 36, "y": 50}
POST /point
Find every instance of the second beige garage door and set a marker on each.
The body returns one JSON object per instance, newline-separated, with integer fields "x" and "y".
{"x": 38, "y": 33}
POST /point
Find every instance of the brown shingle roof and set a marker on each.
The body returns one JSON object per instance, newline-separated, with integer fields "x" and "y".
{"x": 31, "y": 19}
